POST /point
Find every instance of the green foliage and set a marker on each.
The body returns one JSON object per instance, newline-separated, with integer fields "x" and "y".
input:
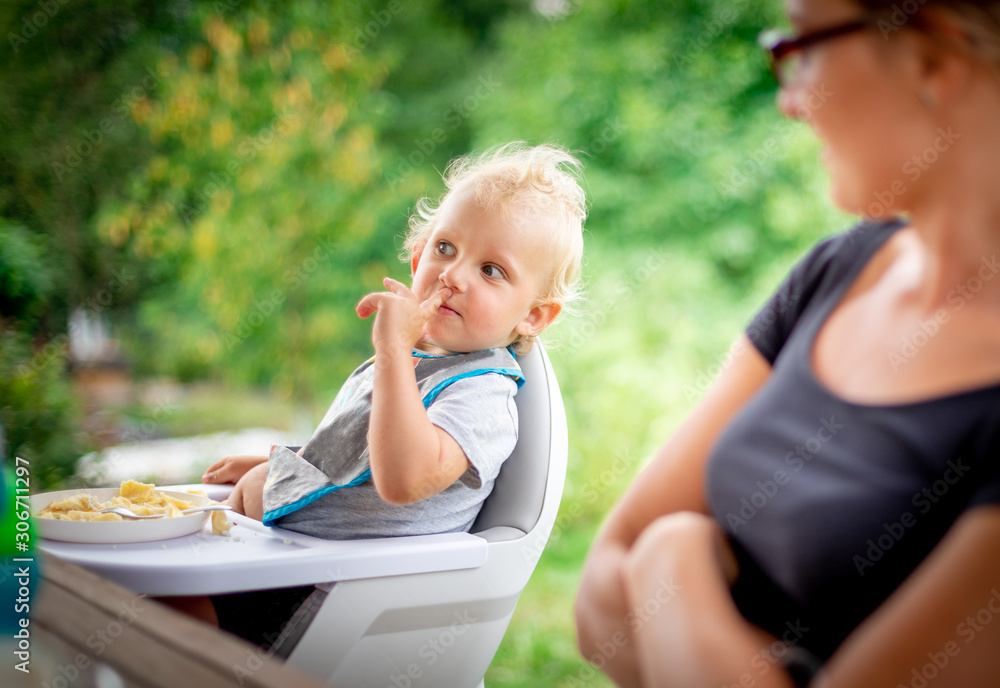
{"x": 38, "y": 412}
{"x": 289, "y": 143}
{"x": 265, "y": 194}
{"x": 25, "y": 280}
{"x": 256, "y": 166}
{"x": 70, "y": 75}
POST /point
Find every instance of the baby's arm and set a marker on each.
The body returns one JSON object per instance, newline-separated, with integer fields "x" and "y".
{"x": 249, "y": 473}
{"x": 248, "y": 495}
{"x": 411, "y": 458}
{"x": 229, "y": 469}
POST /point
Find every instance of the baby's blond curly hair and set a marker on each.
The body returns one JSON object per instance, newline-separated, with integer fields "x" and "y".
{"x": 540, "y": 182}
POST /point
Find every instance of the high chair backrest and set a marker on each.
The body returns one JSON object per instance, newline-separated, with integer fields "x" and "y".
{"x": 442, "y": 629}
{"x": 519, "y": 493}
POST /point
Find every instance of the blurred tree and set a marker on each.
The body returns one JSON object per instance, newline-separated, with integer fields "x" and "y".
{"x": 266, "y": 193}
{"x": 231, "y": 176}
{"x": 38, "y": 414}
{"x": 667, "y": 103}
{"x": 69, "y": 78}
{"x": 226, "y": 178}
{"x": 25, "y": 277}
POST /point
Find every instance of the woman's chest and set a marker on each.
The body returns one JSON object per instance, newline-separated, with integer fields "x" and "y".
{"x": 876, "y": 349}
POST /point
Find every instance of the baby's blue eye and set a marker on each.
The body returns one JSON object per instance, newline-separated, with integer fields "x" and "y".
{"x": 445, "y": 249}
{"x": 494, "y": 272}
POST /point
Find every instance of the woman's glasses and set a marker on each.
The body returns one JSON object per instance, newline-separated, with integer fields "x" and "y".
{"x": 787, "y": 51}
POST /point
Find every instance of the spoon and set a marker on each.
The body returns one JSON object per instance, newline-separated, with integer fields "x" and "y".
{"x": 125, "y": 512}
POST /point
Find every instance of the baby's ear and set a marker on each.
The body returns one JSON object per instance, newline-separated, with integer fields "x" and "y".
{"x": 538, "y": 318}
{"x": 415, "y": 260}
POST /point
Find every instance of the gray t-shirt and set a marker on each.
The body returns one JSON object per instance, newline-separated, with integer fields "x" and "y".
{"x": 829, "y": 504}
{"x": 480, "y": 414}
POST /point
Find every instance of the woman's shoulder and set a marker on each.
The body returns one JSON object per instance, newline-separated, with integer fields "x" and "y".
{"x": 856, "y": 244}
{"x": 817, "y": 279}
{"x": 836, "y": 259}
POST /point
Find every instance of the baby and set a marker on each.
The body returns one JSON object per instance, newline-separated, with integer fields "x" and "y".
{"x": 416, "y": 436}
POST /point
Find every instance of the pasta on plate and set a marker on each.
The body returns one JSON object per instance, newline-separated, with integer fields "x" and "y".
{"x": 141, "y": 498}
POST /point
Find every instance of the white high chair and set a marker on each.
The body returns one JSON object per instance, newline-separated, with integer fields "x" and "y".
{"x": 427, "y": 611}
{"x": 441, "y": 629}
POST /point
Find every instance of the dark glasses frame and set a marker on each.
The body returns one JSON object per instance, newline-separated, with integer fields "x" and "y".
{"x": 779, "y": 44}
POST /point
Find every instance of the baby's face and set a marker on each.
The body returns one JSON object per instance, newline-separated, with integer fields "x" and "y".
{"x": 496, "y": 268}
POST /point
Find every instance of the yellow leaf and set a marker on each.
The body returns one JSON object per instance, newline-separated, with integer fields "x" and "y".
{"x": 221, "y": 132}
{"x": 225, "y": 41}
{"x": 300, "y": 38}
{"x": 199, "y": 57}
{"x": 335, "y": 58}
{"x": 222, "y": 201}
{"x": 141, "y": 111}
{"x": 205, "y": 240}
{"x": 158, "y": 167}
{"x": 259, "y": 33}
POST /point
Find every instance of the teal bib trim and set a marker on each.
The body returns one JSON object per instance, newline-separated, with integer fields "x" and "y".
{"x": 515, "y": 375}
{"x": 271, "y": 516}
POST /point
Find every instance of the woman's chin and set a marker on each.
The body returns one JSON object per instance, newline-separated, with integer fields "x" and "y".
{"x": 843, "y": 201}
{"x": 853, "y": 202}
{"x": 872, "y": 198}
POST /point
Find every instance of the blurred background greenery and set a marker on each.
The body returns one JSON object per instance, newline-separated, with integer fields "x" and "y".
{"x": 211, "y": 186}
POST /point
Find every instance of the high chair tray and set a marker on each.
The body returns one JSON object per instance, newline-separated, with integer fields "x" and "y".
{"x": 255, "y": 557}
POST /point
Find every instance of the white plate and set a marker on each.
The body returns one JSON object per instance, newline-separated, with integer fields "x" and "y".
{"x": 115, "y": 532}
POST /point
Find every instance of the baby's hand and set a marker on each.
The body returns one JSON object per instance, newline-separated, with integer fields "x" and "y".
{"x": 229, "y": 469}
{"x": 401, "y": 316}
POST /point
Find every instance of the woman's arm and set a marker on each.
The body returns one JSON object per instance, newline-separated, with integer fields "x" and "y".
{"x": 673, "y": 482}
{"x": 688, "y": 632}
{"x": 940, "y": 629}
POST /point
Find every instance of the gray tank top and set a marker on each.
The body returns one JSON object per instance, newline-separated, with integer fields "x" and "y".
{"x": 336, "y": 456}
{"x": 829, "y": 504}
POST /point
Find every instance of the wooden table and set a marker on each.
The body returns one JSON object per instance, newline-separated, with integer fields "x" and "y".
{"x": 86, "y": 627}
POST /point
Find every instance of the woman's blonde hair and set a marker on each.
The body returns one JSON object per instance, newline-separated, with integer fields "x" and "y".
{"x": 540, "y": 182}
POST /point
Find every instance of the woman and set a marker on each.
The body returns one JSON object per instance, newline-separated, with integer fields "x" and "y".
{"x": 833, "y": 500}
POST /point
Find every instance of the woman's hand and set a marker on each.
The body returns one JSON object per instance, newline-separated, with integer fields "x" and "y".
{"x": 400, "y": 316}
{"x": 229, "y": 469}
{"x": 686, "y": 629}
{"x": 680, "y": 540}
{"x": 673, "y": 482}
